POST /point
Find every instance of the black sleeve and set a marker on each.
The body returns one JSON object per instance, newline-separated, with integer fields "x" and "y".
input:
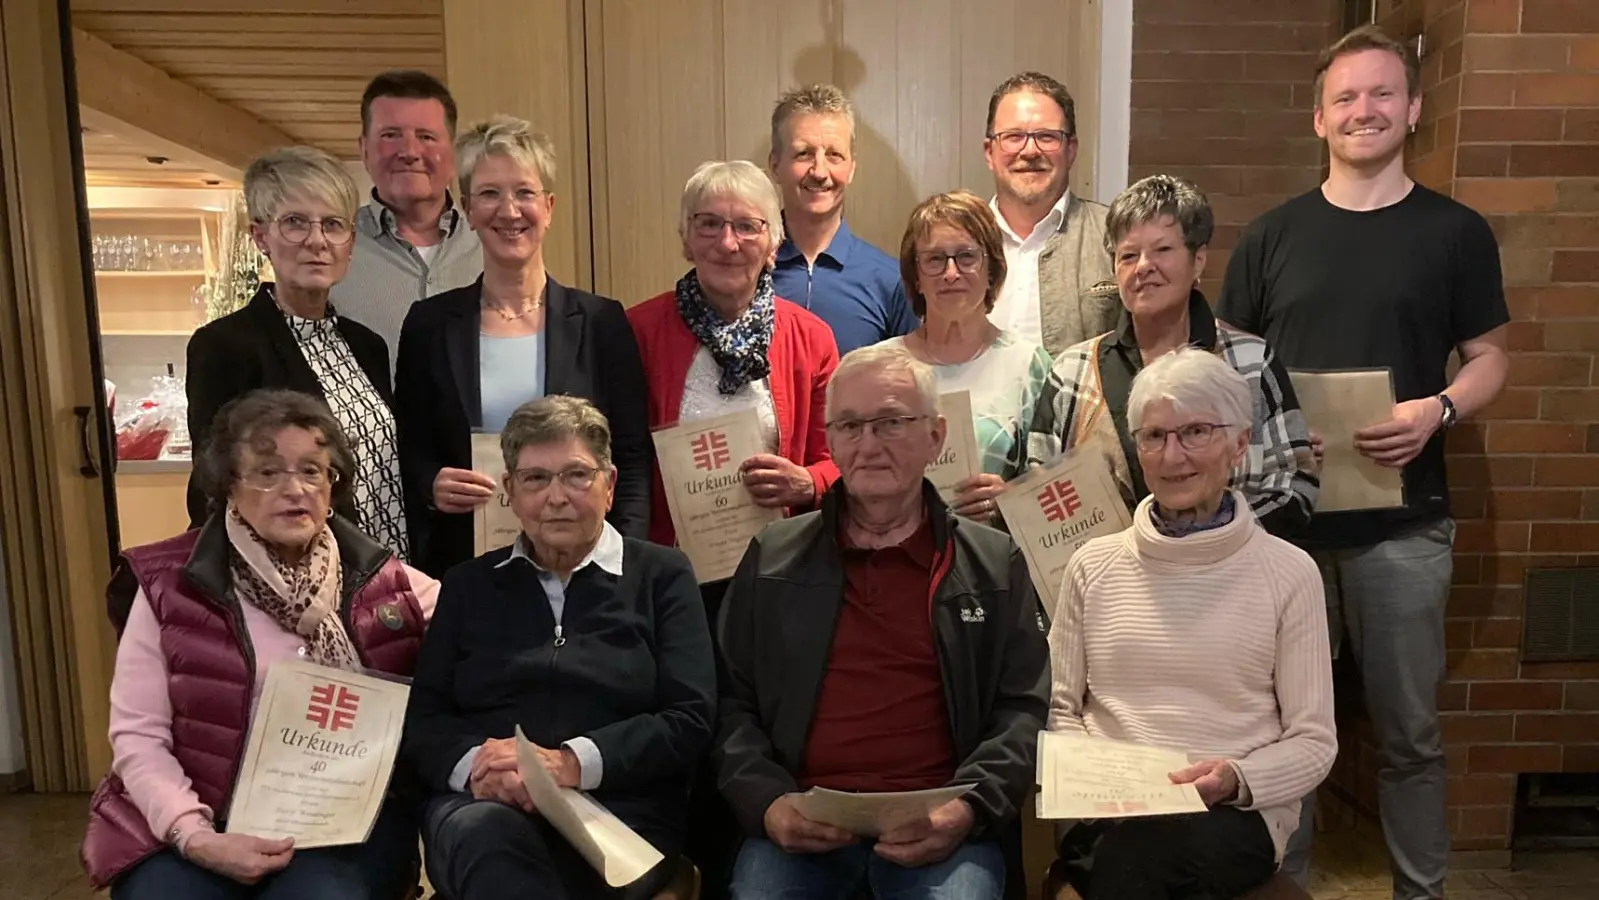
{"x": 414, "y": 403}
{"x": 1478, "y": 302}
{"x": 628, "y": 394}
{"x": 1242, "y": 302}
{"x": 436, "y": 737}
{"x": 746, "y": 773}
{"x": 216, "y": 373}
{"x": 670, "y": 741}
{"x": 1003, "y": 768}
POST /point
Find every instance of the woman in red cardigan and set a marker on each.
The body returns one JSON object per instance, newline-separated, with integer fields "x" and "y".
{"x": 722, "y": 342}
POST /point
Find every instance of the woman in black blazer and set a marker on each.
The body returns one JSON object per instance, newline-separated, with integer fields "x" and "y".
{"x": 471, "y": 356}
{"x": 302, "y": 205}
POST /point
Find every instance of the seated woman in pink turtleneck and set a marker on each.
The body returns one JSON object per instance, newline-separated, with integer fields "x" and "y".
{"x": 1194, "y": 630}
{"x": 273, "y": 574}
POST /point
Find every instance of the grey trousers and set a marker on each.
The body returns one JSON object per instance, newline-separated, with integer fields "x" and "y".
{"x": 1389, "y": 599}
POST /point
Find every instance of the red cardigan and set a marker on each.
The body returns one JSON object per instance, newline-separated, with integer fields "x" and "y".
{"x": 803, "y": 358}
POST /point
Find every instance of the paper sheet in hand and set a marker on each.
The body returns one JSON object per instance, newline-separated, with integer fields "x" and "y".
{"x": 1054, "y": 509}
{"x": 1336, "y": 404}
{"x": 869, "y": 815}
{"x": 1086, "y": 777}
{"x": 958, "y": 460}
{"x": 613, "y": 849}
{"x": 714, "y": 516}
{"x": 495, "y": 525}
{"x": 320, "y": 752}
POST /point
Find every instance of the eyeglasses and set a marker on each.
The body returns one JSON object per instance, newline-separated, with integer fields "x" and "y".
{"x": 491, "y": 198}
{"x": 1047, "y": 140}
{"x": 967, "y": 260}
{"x": 1193, "y": 436}
{"x": 296, "y": 229}
{"x": 271, "y": 479}
{"x": 710, "y": 225}
{"x": 884, "y": 428}
{"x": 537, "y": 481}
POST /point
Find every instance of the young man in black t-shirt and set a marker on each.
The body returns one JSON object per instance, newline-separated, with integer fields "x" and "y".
{"x": 1373, "y": 270}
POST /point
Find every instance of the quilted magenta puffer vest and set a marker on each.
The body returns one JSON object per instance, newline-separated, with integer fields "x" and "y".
{"x": 211, "y": 666}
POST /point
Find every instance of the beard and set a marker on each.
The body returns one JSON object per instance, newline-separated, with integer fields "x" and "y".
{"x": 1031, "y": 185}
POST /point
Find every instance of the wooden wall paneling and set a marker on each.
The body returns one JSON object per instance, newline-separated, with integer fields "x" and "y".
{"x": 519, "y": 57}
{"x": 768, "y": 49}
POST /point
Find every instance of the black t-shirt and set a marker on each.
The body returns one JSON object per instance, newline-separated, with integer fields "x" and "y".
{"x": 1398, "y": 287}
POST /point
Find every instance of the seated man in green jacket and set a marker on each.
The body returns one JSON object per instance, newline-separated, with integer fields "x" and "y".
{"x": 880, "y": 644}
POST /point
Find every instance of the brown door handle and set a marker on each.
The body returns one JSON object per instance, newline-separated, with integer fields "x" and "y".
{"x": 88, "y": 468}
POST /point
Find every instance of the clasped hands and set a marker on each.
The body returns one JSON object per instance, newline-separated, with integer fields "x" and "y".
{"x": 923, "y": 842}
{"x": 495, "y": 775}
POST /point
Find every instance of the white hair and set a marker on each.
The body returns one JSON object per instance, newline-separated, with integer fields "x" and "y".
{"x": 1193, "y": 381}
{"x": 509, "y": 137}
{"x": 736, "y": 179}
{"x": 887, "y": 357}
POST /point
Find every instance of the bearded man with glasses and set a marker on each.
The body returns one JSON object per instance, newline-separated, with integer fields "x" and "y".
{"x": 881, "y": 643}
{"x": 1060, "y": 289}
{"x": 302, "y": 205}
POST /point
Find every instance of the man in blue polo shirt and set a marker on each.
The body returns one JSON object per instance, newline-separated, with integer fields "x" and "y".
{"x": 821, "y": 265}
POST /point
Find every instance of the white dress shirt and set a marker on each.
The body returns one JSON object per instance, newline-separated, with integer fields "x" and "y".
{"x": 1017, "y": 309}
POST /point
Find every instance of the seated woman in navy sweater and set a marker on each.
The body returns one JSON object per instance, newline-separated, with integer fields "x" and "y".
{"x": 595, "y": 644}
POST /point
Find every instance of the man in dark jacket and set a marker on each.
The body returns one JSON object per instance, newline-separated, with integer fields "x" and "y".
{"x": 880, "y": 644}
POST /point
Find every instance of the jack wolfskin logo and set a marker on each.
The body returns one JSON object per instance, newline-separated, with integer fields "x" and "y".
{"x": 974, "y": 615}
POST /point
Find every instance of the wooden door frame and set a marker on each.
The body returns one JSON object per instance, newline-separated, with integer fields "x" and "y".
{"x": 54, "y": 481}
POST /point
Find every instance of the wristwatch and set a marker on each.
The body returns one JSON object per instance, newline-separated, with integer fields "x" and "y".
{"x": 1451, "y": 415}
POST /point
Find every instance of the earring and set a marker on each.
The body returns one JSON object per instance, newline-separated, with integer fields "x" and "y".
{"x": 330, "y": 512}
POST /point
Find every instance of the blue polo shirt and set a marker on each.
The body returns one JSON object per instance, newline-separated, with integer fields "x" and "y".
{"x": 854, "y": 287}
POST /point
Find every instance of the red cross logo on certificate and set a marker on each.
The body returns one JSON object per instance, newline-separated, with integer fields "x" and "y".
{"x": 710, "y": 451}
{"x": 332, "y": 707}
{"x": 1058, "y": 501}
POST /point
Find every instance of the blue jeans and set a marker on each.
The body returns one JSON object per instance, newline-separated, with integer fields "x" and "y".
{"x": 1390, "y": 599}
{"x": 765, "y": 871}
{"x": 383, "y": 868}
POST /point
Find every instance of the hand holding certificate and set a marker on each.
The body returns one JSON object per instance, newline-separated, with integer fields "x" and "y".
{"x": 319, "y": 756}
{"x": 613, "y": 849}
{"x": 714, "y": 516}
{"x": 494, "y": 523}
{"x": 1085, "y": 777}
{"x": 958, "y": 460}
{"x": 1054, "y": 509}
{"x": 1336, "y": 405}
{"x": 871, "y": 815}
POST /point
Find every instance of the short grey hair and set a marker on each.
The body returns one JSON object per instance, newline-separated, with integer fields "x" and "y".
{"x": 254, "y": 420}
{"x": 505, "y": 136}
{"x": 738, "y": 179}
{"x": 887, "y": 357}
{"x": 1193, "y": 381}
{"x": 553, "y": 419}
{"x": 286, "y": 172}
{"x": 1156, "y": 196}
{"x": 812, "y": 99}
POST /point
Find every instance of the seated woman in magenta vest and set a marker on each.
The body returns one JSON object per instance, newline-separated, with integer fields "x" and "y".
{"x": 271, "y": 575}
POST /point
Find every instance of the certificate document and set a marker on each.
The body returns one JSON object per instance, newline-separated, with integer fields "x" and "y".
{"x": 495, "y": 525}
{"x": 870, "y": 815}
{"x": 615, "y": 851}
{"x": 1336, "y": 405}
{"x": 319, "y": 755}
{"x": 1054, "y": 509}
{"x": 1085, "y": 777}
{"x": 714, "y": 516}
{"x": 958, "y": 460}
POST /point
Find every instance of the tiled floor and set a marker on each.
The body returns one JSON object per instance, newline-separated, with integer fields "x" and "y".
{"x": 39, "y": 838}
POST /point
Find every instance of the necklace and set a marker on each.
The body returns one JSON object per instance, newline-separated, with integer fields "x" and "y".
{"x": 927, "y": 344}
{"x": 528, "y": 306}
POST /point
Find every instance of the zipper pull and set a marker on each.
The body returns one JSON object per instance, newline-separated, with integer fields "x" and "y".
{"x": 559, "y": 639}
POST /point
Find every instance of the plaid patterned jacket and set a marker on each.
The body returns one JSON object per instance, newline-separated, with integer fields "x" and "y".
{"x": 1278, "y": 475}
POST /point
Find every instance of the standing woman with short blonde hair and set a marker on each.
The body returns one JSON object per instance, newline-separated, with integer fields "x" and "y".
{"x": 470, "y": 357}
{"x": 302, "y": 205}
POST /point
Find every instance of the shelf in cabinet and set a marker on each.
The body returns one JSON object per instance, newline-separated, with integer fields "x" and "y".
{"x": 146, "y": 332}
{"x": 175, "y": 273}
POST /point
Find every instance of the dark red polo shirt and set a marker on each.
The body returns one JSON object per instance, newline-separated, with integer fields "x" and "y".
{"x": 881, "y": 723}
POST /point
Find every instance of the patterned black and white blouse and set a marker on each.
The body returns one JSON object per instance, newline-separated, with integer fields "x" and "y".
{"x": 367, "y": 421}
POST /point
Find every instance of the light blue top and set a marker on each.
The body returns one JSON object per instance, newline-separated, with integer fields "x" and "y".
{"x": 510, "y": 373}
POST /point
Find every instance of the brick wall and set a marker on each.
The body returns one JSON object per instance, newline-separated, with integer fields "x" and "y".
{"x": 1510, "y": 126}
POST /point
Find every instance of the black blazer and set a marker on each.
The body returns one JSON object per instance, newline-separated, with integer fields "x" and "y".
{"x": 589, "y": 352}
{"x": 254, "y": 348}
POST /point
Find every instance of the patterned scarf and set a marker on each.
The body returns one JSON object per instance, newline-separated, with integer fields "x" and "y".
{"x": 740, "y": 347}
{"x": 1224, "y": 514}
{"x": 303, "y": 598}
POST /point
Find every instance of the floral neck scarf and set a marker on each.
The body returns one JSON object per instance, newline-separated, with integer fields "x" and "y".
{"x": 740, "y": 347}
